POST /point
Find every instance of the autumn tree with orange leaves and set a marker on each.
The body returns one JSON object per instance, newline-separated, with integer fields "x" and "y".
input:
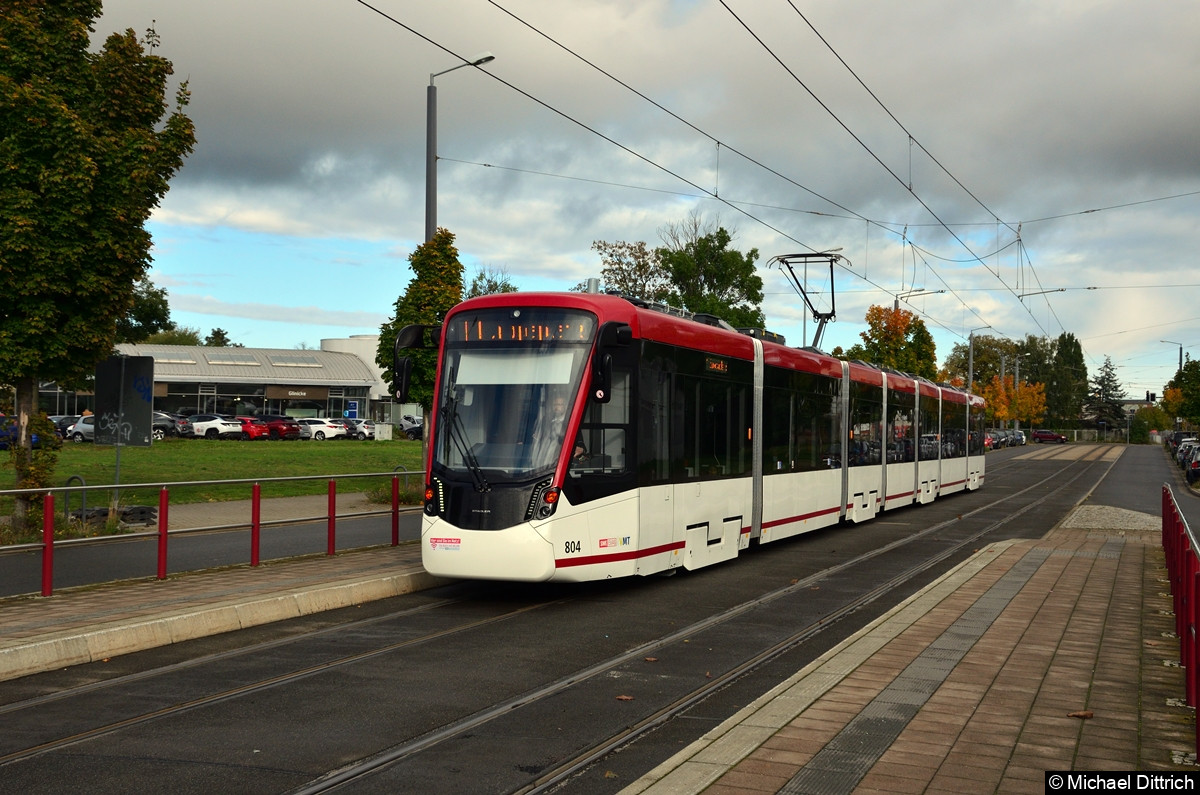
{"x": 898, "y": 339}
{"x": 1008, "y": 400}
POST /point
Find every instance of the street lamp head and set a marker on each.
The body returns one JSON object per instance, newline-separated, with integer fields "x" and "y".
{"x": 482, "y": 58}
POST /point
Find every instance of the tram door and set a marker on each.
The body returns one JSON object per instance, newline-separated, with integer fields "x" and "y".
{"x": 656, "y": 494}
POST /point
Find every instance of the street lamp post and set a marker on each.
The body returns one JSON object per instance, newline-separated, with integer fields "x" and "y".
{"x": 901, "y": 296}
{"x": 431, "y": 143}
{"x": 1180, "y": 344}
{"x": 971, "y": 356}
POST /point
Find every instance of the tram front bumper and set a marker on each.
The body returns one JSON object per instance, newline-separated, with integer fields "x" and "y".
{"x": 515, "y": 553}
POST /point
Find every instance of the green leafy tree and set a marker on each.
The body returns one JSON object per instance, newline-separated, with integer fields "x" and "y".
{"x": 1105, "y": 396}
{"x": 1182, "y": 398}
{"x": 1066, "y": 383}
{"x": 707, "y": 276}
{"x": 219, "y": 338}
{"x": 85, "y": 155}
{"x": 489, "y": 281}
{"x": 898, "y": 339}
{"x": 177, "y": 335}
{"x": 434, "y": 290}
{"x": 149, "y": 314}
{"x": 632, "y": 269}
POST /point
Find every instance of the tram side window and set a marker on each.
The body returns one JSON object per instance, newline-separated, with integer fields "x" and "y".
{"x": 694, "y": 415}
{"x": 716, "y": 419}
{"x": 901, "y": 413}
{"x": 977, "y": 425}
{"x": 655, "y": 408}
{"x": 864, "y": 447}
{"x": 800, "y": 423}
{"x": 928, "y": 427}
{"x": 606, "y": 430}
{"x": 954, "y": 430}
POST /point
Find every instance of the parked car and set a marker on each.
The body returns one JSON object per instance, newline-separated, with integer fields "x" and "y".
{"x": 321, "y": 428}
{"x": 281, "y": 426}
{"x": 84, "y": 430}
{"x": 8, "y": 433}
{"x": 411, "y": 427}
{"x": 62, "y": 422}
{"x": 214, "y": 426}
{"x": 361, "y": 429}
{"x": 163, "y": 425}
{"x": 1185, "y": 449}
{"x": 1042, "y": 435}
{"x": 254, "y": 428}
{"x": 1191, "y": 464}
{"x": 1019, "y": 436}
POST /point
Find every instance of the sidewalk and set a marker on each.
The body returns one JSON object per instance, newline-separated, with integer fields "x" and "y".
{"x": 1054, "y": 654}
{"x": 89, "y": 624}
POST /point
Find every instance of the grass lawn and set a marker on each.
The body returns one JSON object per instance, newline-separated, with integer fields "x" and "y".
{"x": 176, "y": 460}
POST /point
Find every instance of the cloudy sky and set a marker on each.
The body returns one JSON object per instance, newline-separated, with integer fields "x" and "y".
{"x": 1032, "y": 167}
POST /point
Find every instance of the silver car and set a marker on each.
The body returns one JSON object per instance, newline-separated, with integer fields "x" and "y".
{"x": 361, "y": 429}
{"x": 84, "y": 430}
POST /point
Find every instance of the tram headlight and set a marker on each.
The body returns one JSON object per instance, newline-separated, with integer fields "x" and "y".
{"x": 549, "y": 503}
{"x": 431, "y": 500}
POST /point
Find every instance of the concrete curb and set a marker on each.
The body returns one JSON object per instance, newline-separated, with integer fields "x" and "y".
{"x": 105, "y": 641}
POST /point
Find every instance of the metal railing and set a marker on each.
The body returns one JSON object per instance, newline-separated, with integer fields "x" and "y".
{"x": 254, "y": 522}
{"x": 1182, "y": 553}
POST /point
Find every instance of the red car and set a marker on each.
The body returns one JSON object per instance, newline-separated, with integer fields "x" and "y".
{"x": 1041, "y": 435}
{"x": 254, "y": 428}
{"x": 282, "y": 426}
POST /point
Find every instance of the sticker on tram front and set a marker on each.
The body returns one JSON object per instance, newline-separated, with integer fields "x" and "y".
{"x": 614, "y": 542}
{"x": 448, "y": 544}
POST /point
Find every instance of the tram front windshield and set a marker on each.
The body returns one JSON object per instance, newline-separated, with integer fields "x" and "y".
{"x": 509, "y": 378}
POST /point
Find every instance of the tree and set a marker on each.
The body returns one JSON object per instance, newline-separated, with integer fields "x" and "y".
{"x": 489, "y": 281}
{"x": 898, "y": 339}
{"x": 1066, "y": 383}
{"x": 706, "y": 276}
{"x": 219, "y": 338}
{"x": 1009, "y": 399}
{"x": 632, "y": 269}
{"x": 85, "y": 155}
{"x": 1182, "y": 397}
{"x": 149, "y": 314}
{"x": 435, "y": 288}
{"x": 1104, "y": 401}
{"x": 178, "y": 335}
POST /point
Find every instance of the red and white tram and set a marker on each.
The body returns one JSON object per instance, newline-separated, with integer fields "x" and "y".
{"x": 578, "y": 436}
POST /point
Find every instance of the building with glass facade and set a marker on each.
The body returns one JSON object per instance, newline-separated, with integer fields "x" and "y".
{"x": 249, "y": 381}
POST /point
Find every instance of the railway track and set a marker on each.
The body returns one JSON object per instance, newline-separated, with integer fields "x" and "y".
{"x": 475, "y": 619}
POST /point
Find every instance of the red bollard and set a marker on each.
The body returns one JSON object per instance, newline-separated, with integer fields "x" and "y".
{"x": 331, "y": 547}
{"x": 395, "y": 510}
{"x": 1188, "y": 648}
{"x": 48, "y": 545}
{"x": 163, "y": 499}
{"x": 255, "y": 522}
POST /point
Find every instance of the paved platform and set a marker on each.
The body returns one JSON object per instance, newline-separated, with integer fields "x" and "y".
{"x": 1052, "y": 654}
{"x": 1032, "y": 656}
{"x": 89, "y": 624}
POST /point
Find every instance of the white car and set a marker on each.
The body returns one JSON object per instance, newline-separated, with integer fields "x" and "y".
{"x": 321, "y": 428}
{"x": 214, "y": 426}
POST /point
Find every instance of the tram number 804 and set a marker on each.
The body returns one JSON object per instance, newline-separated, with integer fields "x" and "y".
{"x": 573, "y": 546}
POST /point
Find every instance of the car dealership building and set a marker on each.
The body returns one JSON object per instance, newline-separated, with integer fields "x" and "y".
{"x": 339, "y": 380}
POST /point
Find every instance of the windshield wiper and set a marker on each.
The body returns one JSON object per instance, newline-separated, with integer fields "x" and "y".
{"x": 458, "y": 435}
